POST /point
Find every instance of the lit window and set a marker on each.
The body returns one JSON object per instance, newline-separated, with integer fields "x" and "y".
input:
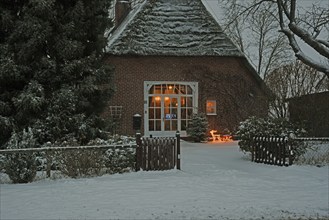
{"x": 211, "y": 107}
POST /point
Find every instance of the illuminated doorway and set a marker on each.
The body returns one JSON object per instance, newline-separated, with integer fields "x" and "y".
{"x": 168, "y": 107}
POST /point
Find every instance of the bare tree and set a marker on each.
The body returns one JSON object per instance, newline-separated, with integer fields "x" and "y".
{"x": 257, "y": 36}
{"x": 297, "y": 25}
{"x": 293, "y": 80}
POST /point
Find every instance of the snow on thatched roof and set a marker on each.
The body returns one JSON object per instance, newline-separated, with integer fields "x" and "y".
{"x": 171, "y": 27}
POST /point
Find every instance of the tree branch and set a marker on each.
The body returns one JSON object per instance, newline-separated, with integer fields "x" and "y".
{"x": 302, "y": 57}
{"x": 307, "y": 38}
{"x": 292, "y": 11}
{"x": 324, "y": 42}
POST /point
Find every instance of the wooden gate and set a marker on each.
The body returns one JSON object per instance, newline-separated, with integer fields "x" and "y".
{"x": 158, "y": 153}
{"x": 272, "y": 150}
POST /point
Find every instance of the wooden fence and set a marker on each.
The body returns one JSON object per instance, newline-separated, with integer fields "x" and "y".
{"x": 272, "y": 150}
{"x": 278, "y": 150}
{"x": 159, "y": 153}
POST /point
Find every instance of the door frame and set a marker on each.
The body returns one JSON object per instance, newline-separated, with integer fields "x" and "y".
{"x": 147, "y": 86}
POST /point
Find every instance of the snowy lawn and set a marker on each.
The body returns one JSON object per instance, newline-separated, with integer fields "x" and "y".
{"x": 216, "y": 182}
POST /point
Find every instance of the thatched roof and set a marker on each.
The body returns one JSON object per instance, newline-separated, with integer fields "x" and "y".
{"x": 171, "y": 28}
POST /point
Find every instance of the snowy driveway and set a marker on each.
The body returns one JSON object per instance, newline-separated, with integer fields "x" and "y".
{"x": 216, "y": 182}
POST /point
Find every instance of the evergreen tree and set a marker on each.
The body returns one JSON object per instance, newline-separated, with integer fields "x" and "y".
{"x": 198, "y": 127}
{"x": 52, "y": 74}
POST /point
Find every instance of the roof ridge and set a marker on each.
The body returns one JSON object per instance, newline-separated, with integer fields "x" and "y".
{"x": 167, "y": 27}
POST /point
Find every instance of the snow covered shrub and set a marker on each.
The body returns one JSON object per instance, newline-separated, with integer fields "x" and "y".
{"x": 198, "y": 127}
{"x": 316, "y": 154}
{"x": 2, "y": 163}
{"x": 120, "y": 160}
{"x": 81, "y": 163}
{"x": 21, "y": 167}
{"x": 6, "y": 127}
{"x": 266, "y": 127}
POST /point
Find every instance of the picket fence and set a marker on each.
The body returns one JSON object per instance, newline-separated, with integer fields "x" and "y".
{"x": 277, "y": 150}
{"x": 158, "y": 153}
{"x": 271, "y": 150}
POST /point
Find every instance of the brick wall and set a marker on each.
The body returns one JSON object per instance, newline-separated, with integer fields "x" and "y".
{"x": 224, "y": 79}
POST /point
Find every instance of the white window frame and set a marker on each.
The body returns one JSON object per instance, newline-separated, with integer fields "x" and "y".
{"x": 148, "y": 84}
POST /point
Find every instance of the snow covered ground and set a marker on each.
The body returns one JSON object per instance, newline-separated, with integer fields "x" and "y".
{"x": 216, "y": 182}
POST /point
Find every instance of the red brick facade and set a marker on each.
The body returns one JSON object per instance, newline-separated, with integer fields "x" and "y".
{"x": 228, "y": 80}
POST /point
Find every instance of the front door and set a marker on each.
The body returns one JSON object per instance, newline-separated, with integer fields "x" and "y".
{"x": 169, "y": 107}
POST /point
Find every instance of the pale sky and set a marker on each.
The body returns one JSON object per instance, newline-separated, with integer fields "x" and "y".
{"x": 217, "y": 12}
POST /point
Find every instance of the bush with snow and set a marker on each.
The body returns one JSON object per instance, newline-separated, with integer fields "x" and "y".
{"x": 198, "y": 127}
{"x": 21, "y": 167}
{"x": 80, "y": 163}
{"x": 316, "y": 154}
{"x": 120, "y": 160}
{"x": 269, "y": 127}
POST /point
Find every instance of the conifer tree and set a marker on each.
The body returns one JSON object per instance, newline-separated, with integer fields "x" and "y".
{"x": 53, "y": 78}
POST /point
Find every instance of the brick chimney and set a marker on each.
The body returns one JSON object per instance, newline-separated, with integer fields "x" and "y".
{"x": 122, "y": 9}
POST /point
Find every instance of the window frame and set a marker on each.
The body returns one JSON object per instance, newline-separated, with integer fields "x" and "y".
{"x": 213, "y": 107}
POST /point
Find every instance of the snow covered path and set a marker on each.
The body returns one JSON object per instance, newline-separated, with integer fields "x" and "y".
{"x": 216, "y": 182}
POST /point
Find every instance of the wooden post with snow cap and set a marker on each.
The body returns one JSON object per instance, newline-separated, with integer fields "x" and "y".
{"x": 178, "y": 150}
{"x": 138, "y": 151}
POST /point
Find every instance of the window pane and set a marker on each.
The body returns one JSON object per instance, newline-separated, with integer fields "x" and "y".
{"x": 151, "y": 125}
{"x": 151, "y": 91}
{"x": 158, "y": 113}
{"x": 189, "y": 102}
{"x": 151, "y": 113}
{"x": 151, "y": 102}
{"x": 189, "y": 113}
{"x": 157, "y": 89}
{"x": 183, "y": 101}
{"x": 189, "y": 90}
{"x": 157, "y": 100}
{"x": 167, "y": 125}
{"x": 183, "y": 113}
{"x": 170, "y": 89}
{"x": 176, "y": 91}
{"x": 174, "y": 113}
{"x": 211, "y": 107}
{"x": 174, "y": 125}
{"x": 183, "y": 125}
{"x": 158, "y": 125}
{"x": 174, "y": 102}
{"x": 183, "y": 89}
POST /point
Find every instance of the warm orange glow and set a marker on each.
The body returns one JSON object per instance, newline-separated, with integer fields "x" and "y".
{"x": 157, "y": 98}
{"x": 220, "y": 138}
{"x": 170, "y": 87}
{"x": 211, "y": 106}
{"x": 166, "y": 98}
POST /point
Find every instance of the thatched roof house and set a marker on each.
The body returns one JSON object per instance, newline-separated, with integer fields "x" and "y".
{"x": 172, "y": 59}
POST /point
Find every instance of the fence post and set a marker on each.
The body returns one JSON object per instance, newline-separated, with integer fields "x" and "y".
{"x": 138, "y": 151}
{"x": 290, "y": 152}
{"x": 178, "y": 149}
{"x": 49, "y": 163}
{"x": 253, "y": 148}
